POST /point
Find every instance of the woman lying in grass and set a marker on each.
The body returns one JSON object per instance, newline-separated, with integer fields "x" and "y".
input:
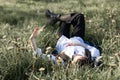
{"x": 71, "y": 48}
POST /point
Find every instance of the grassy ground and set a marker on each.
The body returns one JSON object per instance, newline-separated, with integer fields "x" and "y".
{"x": 18, "y": 19}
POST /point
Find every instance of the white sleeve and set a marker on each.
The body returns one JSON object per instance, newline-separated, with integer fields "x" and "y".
{"x": 94, "y": 52}
{"x": 51, "y": 57}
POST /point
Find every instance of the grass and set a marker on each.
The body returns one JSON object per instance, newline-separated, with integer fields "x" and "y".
{"x": 18, "y": 19}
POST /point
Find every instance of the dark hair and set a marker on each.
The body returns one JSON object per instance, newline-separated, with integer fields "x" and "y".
{"x": 64, "y": 57}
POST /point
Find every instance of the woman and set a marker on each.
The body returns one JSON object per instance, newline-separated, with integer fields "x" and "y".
{"x": 71, "y": 47}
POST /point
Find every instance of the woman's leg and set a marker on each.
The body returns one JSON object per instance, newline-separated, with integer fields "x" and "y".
{"x": 78, "y": 23}
{"x": 64, "y": 29}
{"x": 76, "y": 19}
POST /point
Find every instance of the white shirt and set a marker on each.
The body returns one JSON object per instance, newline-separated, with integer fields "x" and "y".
{"x": 63, "y": 41}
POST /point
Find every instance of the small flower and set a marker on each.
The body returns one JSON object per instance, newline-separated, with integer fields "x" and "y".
{"x": 41, "y": 69}
{"x": 90, "y": 21}
{"x": 49, "y": 48}
{"x": 113, "y": 65}
{"x": 57, "y": 36}
{"x": 117, "y": 54}
{"x": 4, "y": 37}
{"x": 47, "y": 52}
{"x": 9, "y": 48}
{"x": 117, "y": 36}
{"x": 111, "y": 57}
{"x": 113, "y": 21}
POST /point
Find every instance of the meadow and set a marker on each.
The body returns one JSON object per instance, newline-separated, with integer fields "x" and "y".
{"x": 18, "y": 18}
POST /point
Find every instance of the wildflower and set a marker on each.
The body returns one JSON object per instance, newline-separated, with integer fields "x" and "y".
{"x": 113, "y": 21}
{"x": 4, "y": 37}
{"x": 57, "y": 36}
{"x": 48, "y": 50}
{"x": 117, "y": 54}
{"x": 41, "y": 69}
{"x": 111, "y": 57}
{"x": 113, "y": 65}
{"x": 9, "y": 48}
{"x": 117, "y": 36}
{"x": 90, "y": 21}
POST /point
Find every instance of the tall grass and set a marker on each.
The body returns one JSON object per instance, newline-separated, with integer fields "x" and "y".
{"x": 18, "y": 19}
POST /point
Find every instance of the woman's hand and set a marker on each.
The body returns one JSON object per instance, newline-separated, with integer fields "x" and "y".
{"x": 70, "y": 44}
{"x": 35, "y": 32}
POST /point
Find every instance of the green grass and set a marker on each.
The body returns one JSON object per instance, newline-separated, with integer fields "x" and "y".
{"x": 18, "y": 18}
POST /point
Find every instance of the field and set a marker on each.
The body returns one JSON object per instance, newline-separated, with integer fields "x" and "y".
{"x": 18, "y": 18}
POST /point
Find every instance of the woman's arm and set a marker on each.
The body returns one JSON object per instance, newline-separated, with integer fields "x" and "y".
{"x": 77, "y": 44}
{"x": 33, "y": 36}
{"x": 33, "y": 40}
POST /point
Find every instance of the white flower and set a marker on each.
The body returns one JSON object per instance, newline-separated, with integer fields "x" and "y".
{"x": 41, "y": 69}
